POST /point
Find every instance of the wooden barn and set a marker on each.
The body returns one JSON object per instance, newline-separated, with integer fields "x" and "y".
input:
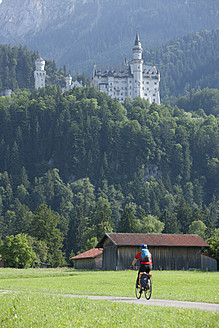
{"x": 90, "y": 260}
{"x": 169, "y": 252}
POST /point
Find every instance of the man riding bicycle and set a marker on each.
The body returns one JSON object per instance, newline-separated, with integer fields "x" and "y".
{"x": 146, "y": 263}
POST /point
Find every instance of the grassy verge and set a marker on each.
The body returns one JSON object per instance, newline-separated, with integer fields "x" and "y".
{"x": 174, "y": 285}
{"x": 38, "y": 310}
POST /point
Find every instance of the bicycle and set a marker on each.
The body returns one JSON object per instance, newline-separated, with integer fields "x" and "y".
{"x": 147, "y": 289}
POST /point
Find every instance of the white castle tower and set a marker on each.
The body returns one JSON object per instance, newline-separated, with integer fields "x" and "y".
{"x": 68, "y": 81}
{"x": 137, "y": 63}
{"x": 40, "y": 73}
{"x": 132, "y": 79}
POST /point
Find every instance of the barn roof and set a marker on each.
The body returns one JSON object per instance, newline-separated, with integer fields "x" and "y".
{"x": 136, "y": 239}
{"x": 90, "y": 254}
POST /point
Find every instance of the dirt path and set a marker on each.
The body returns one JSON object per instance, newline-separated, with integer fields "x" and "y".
{"x": 143, "y": 301}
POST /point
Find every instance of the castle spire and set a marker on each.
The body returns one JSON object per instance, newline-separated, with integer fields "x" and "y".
{"x": 137, "y": 40}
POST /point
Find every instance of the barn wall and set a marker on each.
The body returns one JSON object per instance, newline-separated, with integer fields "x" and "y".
{"x": 126, "y": 254}
{"x": 176, "y": 258}
{"x": 109, "y": 257}
{"x": 165, "y": 258}
{"x": 98, "y": 262}
{"x": 208, "y": 263}
{"x": 89, "y": 264}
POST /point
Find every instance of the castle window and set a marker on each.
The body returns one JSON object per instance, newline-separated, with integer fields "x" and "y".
{"x": 155, "y": 82}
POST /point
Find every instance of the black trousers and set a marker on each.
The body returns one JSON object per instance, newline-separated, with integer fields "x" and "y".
{"x": 144, "y": 268}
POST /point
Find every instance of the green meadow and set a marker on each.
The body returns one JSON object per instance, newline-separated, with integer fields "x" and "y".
{"x": 36, "y": 305}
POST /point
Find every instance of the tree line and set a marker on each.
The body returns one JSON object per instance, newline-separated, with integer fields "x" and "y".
{"x": 17, "y": 66}
{"x": 187, "y": 63}
{"x": 76, "y": 165}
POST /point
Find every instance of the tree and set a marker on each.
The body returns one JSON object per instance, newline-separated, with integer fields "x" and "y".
{"x": 150, "y": 224}
{"x": 128, "y": 222}
{"x": 44, "y": 227}
{"x": 99, "y": 222}
{"x": 171, "y": 224}
{"x": 16, "y": 252}
{"x": 184, "y": 215}
{"x": 213, "y": 242}
{"x": 40, "y": 248}
{"x": 197, "y": 227}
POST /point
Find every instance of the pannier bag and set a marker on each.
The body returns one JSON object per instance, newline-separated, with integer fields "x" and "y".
{"x": 143, "y": 278}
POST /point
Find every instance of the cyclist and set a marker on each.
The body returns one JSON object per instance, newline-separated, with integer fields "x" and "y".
{"x": 146, "y": 266}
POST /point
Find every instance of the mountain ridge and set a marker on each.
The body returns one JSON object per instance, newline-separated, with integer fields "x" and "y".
{"x": 79, "y": 33}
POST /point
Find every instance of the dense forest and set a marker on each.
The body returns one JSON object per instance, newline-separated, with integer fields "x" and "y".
{"x": 81, "y": 33}
{"x": 17, "y": 65}
{"x": 191, "y": 62}
{"x": 188, "y": 63}
{"x": 78, "y": 164}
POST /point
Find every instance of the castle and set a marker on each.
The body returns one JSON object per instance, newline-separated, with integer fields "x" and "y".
{"x": 40, "y": 73}
{"x": 70, "y": 85}
{"x": 40, "y": 77}
{"x": 134, "y": 79}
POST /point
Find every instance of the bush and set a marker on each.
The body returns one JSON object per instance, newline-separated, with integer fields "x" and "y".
{"x": 16, "y": 252}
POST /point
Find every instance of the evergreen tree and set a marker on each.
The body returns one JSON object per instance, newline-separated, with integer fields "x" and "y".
{"x": 44, "y": 227}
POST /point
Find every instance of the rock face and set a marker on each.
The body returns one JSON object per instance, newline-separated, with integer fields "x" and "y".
{"x": 80, "y": 32}
{"x": 24, "y": 19}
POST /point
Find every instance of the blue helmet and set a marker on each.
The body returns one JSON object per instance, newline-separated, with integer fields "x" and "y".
{"x": 144, "y": 246}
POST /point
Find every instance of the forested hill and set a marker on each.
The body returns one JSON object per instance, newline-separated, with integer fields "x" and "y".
{"x": 188, "y": 63}
{"x": 80, "y": 33}
{"x": 104, "y": 166}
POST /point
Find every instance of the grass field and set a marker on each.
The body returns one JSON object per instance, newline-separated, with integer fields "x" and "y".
{"x": 31, "y": 307}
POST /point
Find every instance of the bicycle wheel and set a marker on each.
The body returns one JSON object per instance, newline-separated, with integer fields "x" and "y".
{"x": 138, "y": 292}
{"x": 148, "y": 289}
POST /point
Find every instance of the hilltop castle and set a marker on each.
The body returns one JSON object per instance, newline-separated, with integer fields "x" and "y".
{"x": 40, "y": 77}
{"x": 133, "y": 79}
{"x": 40, "y": 73}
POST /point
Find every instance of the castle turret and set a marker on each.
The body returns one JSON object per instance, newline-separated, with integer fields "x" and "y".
{"x": 68, "y": 81}
{"x": 137, "y": 63}
{"x": 40, "y": 73}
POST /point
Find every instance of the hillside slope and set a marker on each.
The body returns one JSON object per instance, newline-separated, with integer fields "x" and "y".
{"x": 191, "y": 62}
{"x": 79, "y": 33}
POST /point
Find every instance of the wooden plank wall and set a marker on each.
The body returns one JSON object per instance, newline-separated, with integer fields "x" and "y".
{"x": 89, "y": 264}
{"x": 176, "y": 258}
{"x": 110, "y": 258}
{"x": 163, "y": 258}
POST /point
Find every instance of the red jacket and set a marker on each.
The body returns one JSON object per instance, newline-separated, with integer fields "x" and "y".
{"x": 138, "y": 256}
